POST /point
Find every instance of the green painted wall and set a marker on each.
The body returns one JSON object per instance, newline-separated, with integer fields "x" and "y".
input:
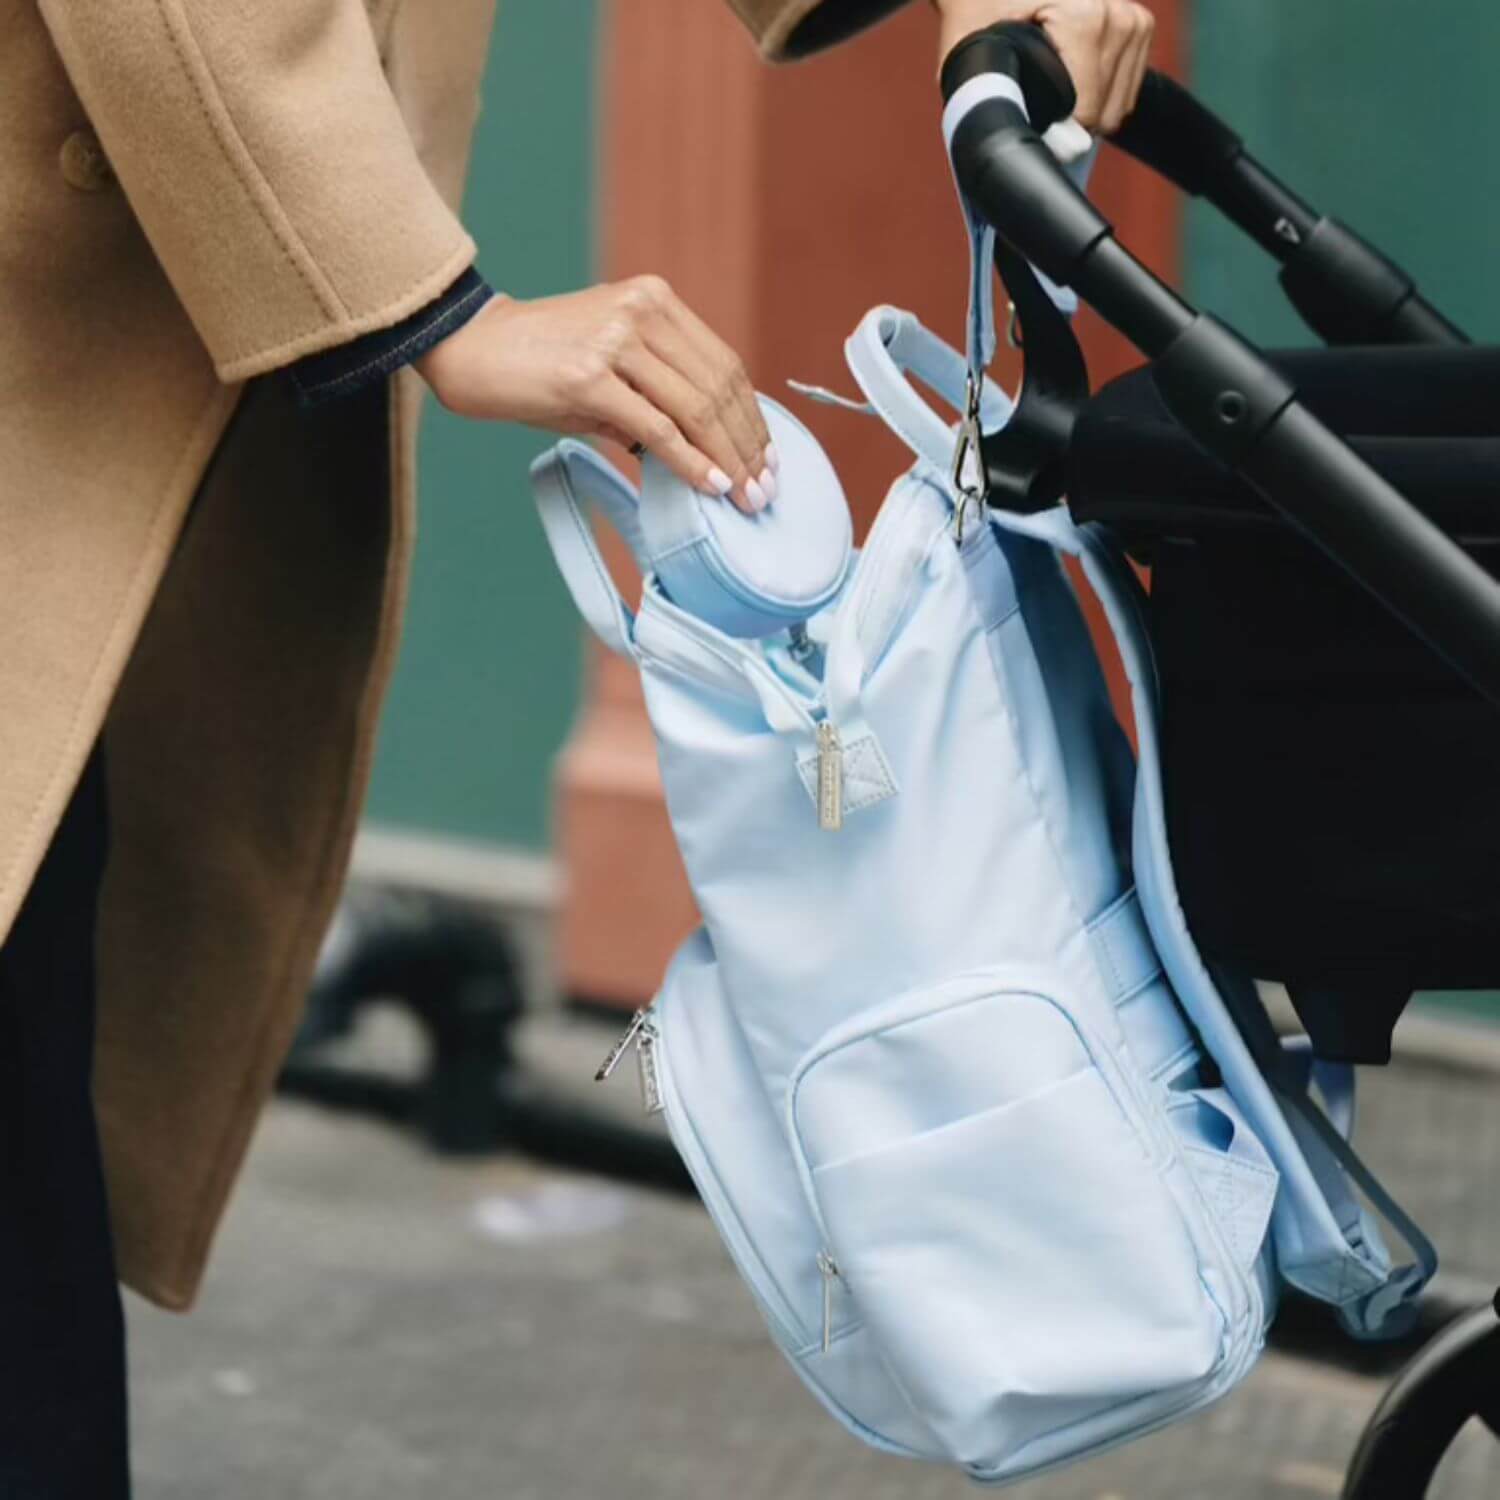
{"x": 489, "y": 672}
{"x": 1379, "y": 112}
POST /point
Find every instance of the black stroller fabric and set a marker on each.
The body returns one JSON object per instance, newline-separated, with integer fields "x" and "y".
{"x": 1426, "y": 419}
{"x": 1332, "y": 786}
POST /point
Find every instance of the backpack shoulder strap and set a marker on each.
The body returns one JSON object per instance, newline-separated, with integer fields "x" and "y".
{"x": 1327, "y": 1244}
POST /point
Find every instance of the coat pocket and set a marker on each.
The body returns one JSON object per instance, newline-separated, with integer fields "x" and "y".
{"x": 999, "y": 1218}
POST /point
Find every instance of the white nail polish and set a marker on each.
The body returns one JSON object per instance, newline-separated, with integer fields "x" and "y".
{"x": 719, "y": 482}
{"x": 773, "y": 458}
{"x": 769, "y": 483}
{"x": 755, "y": 495}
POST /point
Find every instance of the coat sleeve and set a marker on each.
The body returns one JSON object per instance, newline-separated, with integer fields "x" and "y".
{"x": 788, "y": 29}
{"x": 266, "y": 160}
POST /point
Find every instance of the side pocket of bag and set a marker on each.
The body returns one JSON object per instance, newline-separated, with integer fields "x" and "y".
{"x": 1233, "y": 1169}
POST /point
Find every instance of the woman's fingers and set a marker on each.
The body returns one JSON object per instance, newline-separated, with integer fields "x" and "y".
{"x": 710, "y": 399}
{"x": 724, "y": 370}
{"x": 1110, "y": 47}
{"x": 625, "y": 360}
{"x": 1139, "y": 26}
{"x": 616, "y": 407}
{"x": 711, "y": 408}
{"x": 1104, "y": 44}
{"x": 699, "y": 413}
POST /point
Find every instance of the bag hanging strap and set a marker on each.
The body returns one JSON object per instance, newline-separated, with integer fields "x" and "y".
{"x": 565, "y": 480}
{"x": 890, "y": 344}
{"x": 1072, "y": 145}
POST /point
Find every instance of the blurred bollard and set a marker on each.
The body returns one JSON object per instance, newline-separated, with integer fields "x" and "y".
{"x": 453, "y": 970}
{"x": 456, "y": 974}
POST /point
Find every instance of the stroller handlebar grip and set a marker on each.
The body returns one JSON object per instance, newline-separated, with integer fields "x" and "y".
{"x": 1023, "y": 52}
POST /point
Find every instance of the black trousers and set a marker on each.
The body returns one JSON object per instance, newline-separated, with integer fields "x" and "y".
{"x": 62, "y": 1342}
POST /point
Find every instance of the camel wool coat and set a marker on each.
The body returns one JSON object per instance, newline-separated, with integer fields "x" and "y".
{"x": 194, "y": 193}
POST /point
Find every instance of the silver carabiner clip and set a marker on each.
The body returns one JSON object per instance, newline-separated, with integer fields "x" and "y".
{"x": 969, "y": 446}
{"x": 1013, "y": 328}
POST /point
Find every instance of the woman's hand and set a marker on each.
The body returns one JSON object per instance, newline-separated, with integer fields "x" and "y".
{"x": 627, "y": 361}
{"x": 1104, "y": 44}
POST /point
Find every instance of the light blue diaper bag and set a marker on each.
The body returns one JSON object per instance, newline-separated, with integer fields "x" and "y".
{"x": 976, "y": 1124}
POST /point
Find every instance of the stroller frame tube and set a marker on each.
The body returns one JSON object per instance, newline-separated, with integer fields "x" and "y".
{"x": 1450, "y": 1380}
{"x": 1347, "y": 291}
{"x": 1230, "y": 399}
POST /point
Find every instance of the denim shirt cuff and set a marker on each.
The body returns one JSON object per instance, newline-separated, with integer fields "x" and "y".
{"x": 332, "y": 373}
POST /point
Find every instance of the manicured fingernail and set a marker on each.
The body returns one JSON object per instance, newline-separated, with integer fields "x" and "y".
{"x": 755, "y": 495}
{"x": 719, "y": 482}
{"x": 773, "y": 458}
{"x": 769, "y": 484}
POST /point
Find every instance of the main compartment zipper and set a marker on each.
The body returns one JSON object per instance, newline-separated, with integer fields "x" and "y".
{"x": 640, "y": 1033}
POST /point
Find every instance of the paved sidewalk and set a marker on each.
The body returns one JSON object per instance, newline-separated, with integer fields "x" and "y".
{"x": 384, "y": 1325}
{"x": 1431, "y": 1130}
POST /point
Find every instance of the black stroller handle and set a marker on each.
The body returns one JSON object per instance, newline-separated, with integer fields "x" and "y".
{"x": 1226, "y": 395}
{"x": 1347, "y": 291}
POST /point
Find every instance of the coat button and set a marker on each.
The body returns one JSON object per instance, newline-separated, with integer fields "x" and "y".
{"x": 84, "y": 164}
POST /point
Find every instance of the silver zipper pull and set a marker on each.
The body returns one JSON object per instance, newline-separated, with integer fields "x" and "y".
{"x": 619, "y": 1049}
{"x": 645, "y": 1058}
{"x": 830, "y": 778}
{"x": 829, "y": 1268}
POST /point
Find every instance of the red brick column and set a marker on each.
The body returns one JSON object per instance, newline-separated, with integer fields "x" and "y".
{"x": 781, "y": 203}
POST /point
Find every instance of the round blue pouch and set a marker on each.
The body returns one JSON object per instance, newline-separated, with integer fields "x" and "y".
{"x": 751, "y": 575}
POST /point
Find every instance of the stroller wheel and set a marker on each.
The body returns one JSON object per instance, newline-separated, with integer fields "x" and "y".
{"x": 1449, "y": 1381}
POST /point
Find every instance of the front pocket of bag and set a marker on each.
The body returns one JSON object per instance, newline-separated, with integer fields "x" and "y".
{"x": 1023, "y": 1265}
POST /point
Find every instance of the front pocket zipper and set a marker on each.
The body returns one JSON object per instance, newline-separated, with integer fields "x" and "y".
{"x": 828, "y": 1268}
